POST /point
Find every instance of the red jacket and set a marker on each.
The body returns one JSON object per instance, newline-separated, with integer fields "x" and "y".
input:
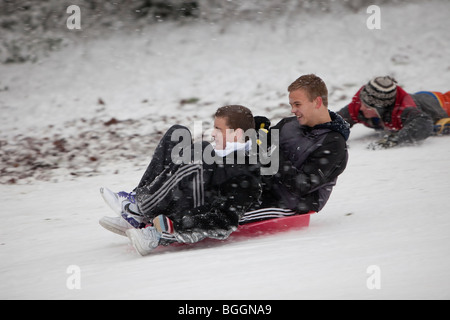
{"x": 402, "y": 102}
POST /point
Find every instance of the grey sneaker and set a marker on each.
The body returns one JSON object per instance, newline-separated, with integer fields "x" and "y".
{"x": 144, "y": 240}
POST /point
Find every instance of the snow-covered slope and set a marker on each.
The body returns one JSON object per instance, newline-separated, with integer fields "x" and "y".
{"x": 388, "y": 210}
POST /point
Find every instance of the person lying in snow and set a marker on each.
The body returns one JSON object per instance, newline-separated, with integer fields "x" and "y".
{"x": 407, "y": 118}
{"x": 312, "y": 151}
{"x": 187, "y": 201}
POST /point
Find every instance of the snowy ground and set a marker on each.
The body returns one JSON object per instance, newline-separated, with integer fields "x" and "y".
{"x": 59, "y": 145}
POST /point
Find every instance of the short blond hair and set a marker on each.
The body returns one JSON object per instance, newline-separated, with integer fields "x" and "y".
{"x": 313, "y": 85}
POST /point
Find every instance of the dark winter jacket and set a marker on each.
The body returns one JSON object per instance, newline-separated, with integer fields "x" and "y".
{"x": 412, "y": 116}
{"x": 230, "y": 189}
{"x": 311, "y": 159}
{"x": 202, "y": 196}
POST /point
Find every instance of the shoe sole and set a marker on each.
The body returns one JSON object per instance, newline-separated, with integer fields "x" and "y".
{"x": 110, "y": 197}
{"x": 112, "y": 228}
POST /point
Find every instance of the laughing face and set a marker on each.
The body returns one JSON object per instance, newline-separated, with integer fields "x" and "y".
{"x": 303, "y": 108}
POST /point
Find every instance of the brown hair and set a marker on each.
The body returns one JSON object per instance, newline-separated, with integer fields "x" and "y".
{"x": 238, "y": 117}
{"x": 313, "y": 85}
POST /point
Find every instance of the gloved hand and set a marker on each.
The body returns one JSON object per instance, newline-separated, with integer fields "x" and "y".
{"x": 262, "y": 127}
{"x": 261, "y": 123}
{"x": 388, "y": 141}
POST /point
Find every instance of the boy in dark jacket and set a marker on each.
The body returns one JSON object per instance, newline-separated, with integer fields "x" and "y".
{"x": 312, "y": 153}
{"x": 382, "y": 104}
{"x": 192, "y": 191}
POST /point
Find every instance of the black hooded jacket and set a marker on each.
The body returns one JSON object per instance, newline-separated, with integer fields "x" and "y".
{"x": 311, "y": 159}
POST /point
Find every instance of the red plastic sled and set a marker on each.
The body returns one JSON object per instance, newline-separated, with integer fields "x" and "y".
{"x": 272, "y": 226}
{"x": 255, "y": 229}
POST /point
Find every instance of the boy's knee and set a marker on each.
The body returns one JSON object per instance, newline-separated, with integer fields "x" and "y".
{"x": 176, "y": 127}
{"x": 177, "y": 132}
